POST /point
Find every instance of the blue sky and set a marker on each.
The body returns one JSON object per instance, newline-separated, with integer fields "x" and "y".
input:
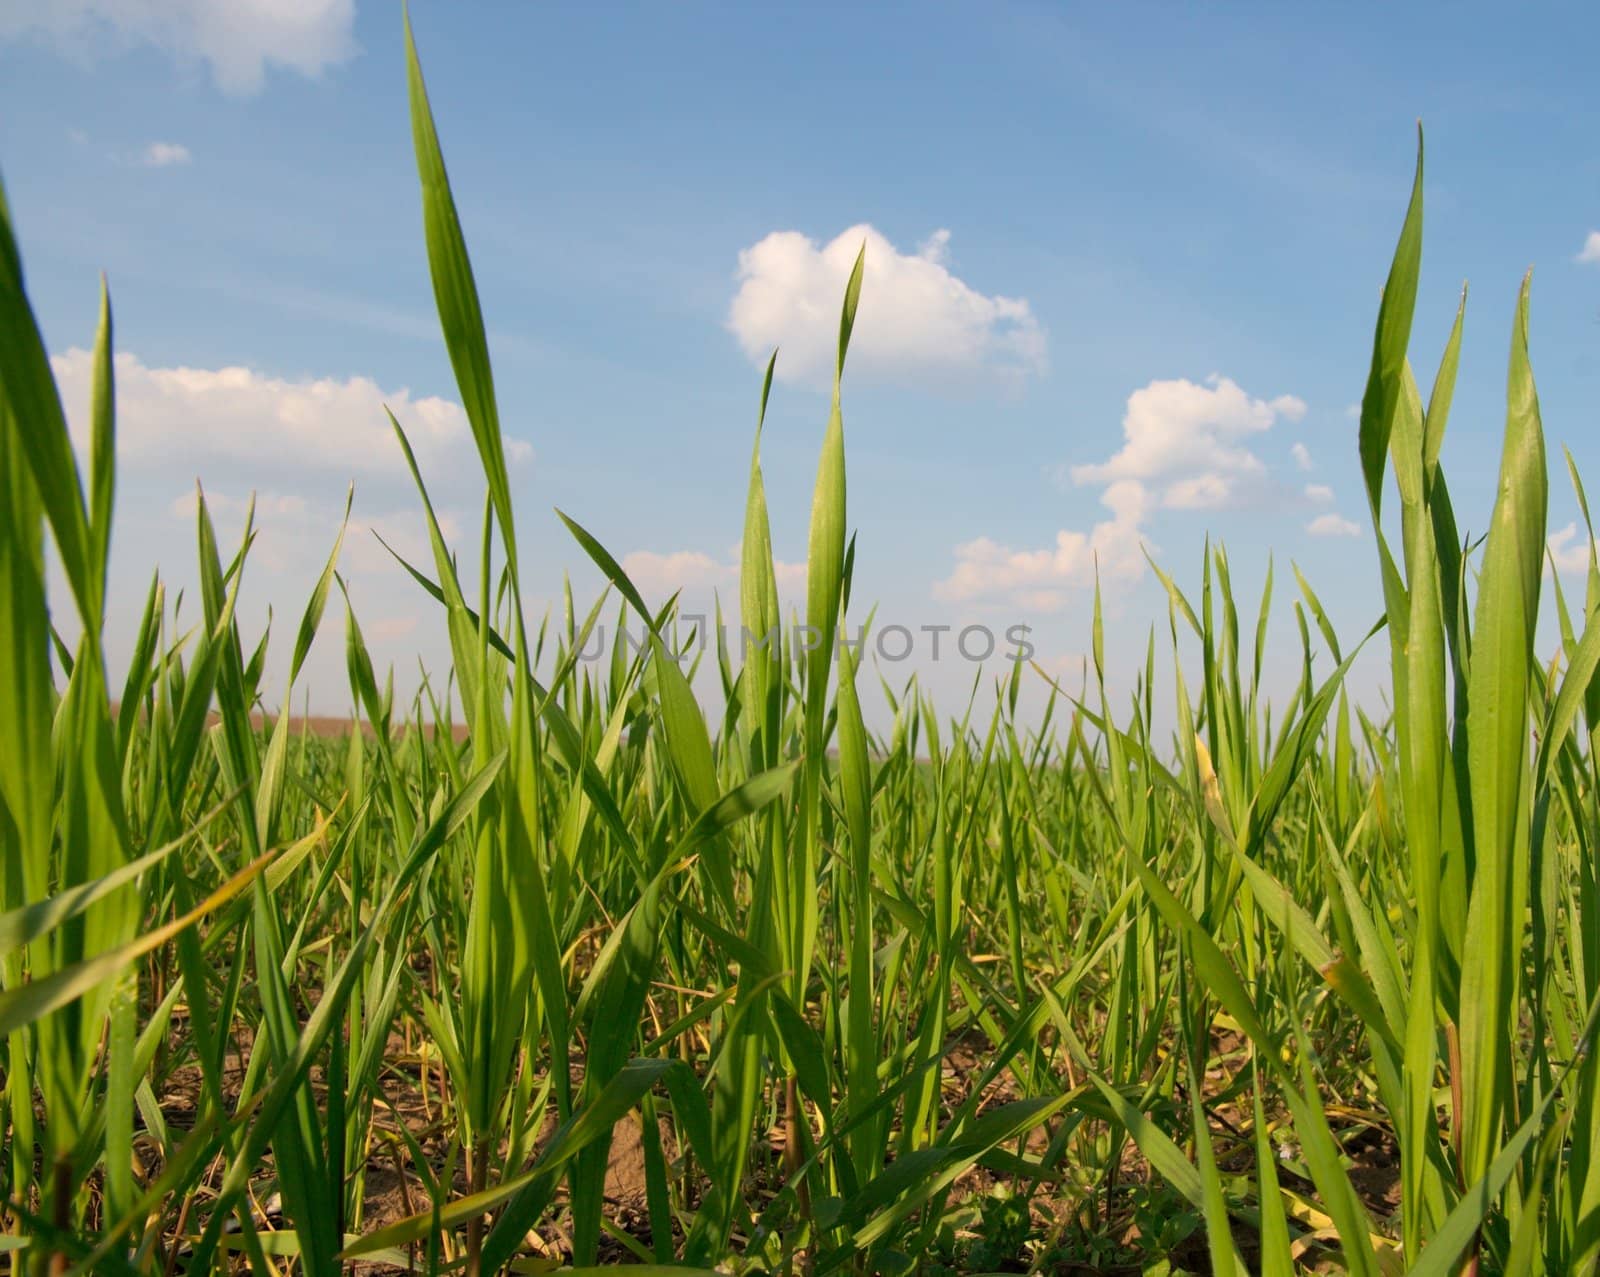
{"x": 1123, "y": 268}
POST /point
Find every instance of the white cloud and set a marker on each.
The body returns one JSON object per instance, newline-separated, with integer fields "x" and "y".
{"x": 296, "y": 444}
{"x": 1321, "y": 493}
{"x": 664, "y": 574}
{"x": 1202, "y": 492}
{"x": 1183, "y": 449}
{"x": 1194, "y": 437}
{"x": 1333, "y": 525}
{"x": 220, "y": 503}
{"x": 166, "y": 154}
{"x": 1590, "y": 252}
{"x": 294, "y": 533}
{"x": 1301, "y": 455}
{"x": 237, "y": 39}
{"x": 1040, "y": 579}
{"x": 915, "y": 317}
{"x": 227, "y": 421}
{"x": 1568, "y": 551}
{"x": 677, "y": 570}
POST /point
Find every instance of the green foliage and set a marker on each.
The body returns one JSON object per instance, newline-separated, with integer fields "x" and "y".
{"x": 961, "y": 995}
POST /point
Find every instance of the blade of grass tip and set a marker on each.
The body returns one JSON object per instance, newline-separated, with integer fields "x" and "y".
{"x": 824, "y": 582}
{"x": 689, "y": 746}
{"x": 1393, "y": 335}
{"x": 142, "y": 670}
{"x": 609, "y": 566}
{"x": 1592, "y": 594}
{"x": 27, "y": 781}
{"x": 456, "y": 295}
{"x": 759, "y": 617}
{"x": 102, "y": 449}
{"x": 1503, "y": 637}
{"x": 269, "y": 793}
{"x": 825, "y": 548}
{"x": 1324, "y": 626}
{"x": 41, "y": 427}
{"x": 312, "y": 617}
{"x": 1444, "y": 389}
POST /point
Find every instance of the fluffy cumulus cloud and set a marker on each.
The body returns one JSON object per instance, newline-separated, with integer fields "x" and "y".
{"x": 1333, "y": 524}
{"x": 1590, "y": 252}
{"x": 1185, "y": 447}
{"x": 222, "y": 422}
{"x": 1041, "y": 579}
{"x": 292, "y": 447}
{"x": 1330, "y": 523}
{"x": 166, "y": 154}
{"x": 1190, "y": 439}
{"x": 1301, "y": 455}
{"x": 237, "y": 39}
{"x": 916, "y": 317}
{"x": 659, "y": 574}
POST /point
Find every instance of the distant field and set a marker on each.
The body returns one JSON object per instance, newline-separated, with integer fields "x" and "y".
{"x": 325, "y": 726}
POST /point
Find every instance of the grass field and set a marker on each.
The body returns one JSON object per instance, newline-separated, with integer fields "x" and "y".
{"x": 603, "y": 975}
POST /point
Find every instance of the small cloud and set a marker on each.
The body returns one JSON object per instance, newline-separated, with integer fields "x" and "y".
{"x": 1590, "y": 253}
{"x": 77, "y": 137}
{"x": 1193, "y": 436}
{"x": 1321, "y": 493}
{"x": 664, "y": 574}
{"x": 166, "y": 155}
{"x": 1203, "y": 492}
{"x": 1184, "y": 448}
{"x": 1041, "y": 579}
{"x": 1568, "y": 551}
{"x": 916, "y": 318}
{"x": 1301, "y": 455}
{"x": 238, "y": 40}
{"x": 1353, "y": 411}
{"x": 1333, "y": 525}
{"x": 677, "y": 570}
